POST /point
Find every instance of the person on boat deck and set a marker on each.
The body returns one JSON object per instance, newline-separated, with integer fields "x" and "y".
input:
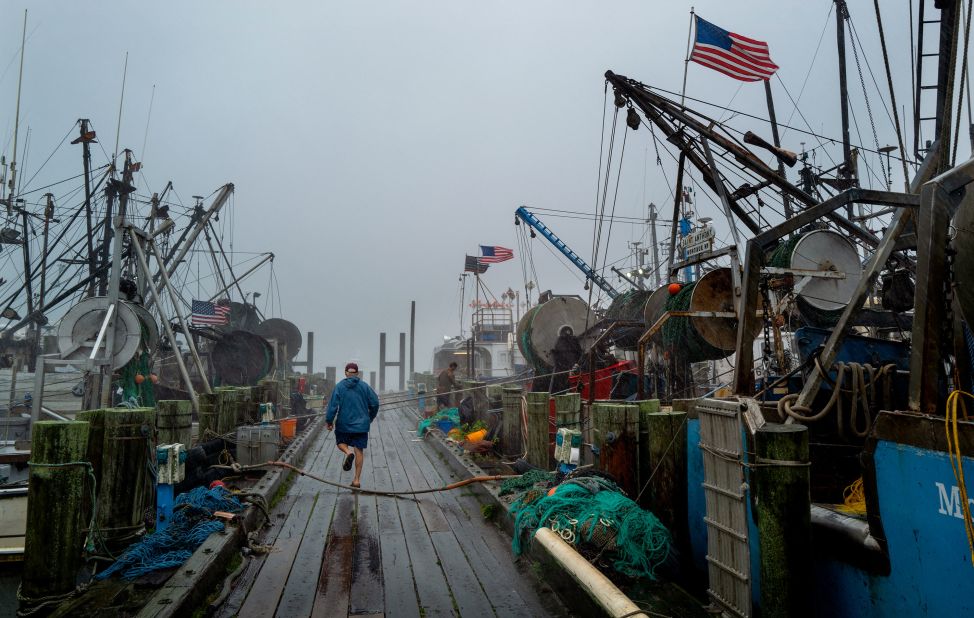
{"x": 445, "y": 383}
{"x": 356, "y": 405}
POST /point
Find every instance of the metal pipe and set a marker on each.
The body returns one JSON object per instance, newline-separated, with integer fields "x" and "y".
{"x": 144, "y": 265}
{"x": 591, "y": 580}
{"x": 269, "y": 256}
{"x": 182, "y": 321}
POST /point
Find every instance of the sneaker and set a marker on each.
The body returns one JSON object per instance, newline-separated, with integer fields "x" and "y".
{"x": 348, "y": 462}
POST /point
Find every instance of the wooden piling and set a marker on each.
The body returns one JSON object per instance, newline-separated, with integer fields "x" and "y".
{"x": 615, "y": 431}
{"x": 55, "y": 515}
{"x": 126, "y": 486}
{"x": 175, "y": 421}
{"x": 568, "y": 410}
{"x": 226, "y": 419}
{"x": 96, "y": 440}
{"x": 245, "y": 411}
{"x": 663, "y": 467}
{"x": 782, "y": 507}
{"x": 208, "y": 418}
{"x": 539, "y": 453}
{"x": 512, "y": 439}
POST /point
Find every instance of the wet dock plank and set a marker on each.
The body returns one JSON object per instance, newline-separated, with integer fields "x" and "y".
{"x": 342, "y": 554}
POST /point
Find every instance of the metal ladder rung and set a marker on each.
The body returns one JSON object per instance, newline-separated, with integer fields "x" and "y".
{"x": 929, "y": 118}
{"x": 930, "y": 21}
{"x": 928, "y": 55}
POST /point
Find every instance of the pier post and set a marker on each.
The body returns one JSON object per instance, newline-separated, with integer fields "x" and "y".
{"x": 615, "y": 431}
{"x": 226, "y": 420}
{"x": 538, "y": 447}
{"x": 55, "y": 514}
{"x": 663, "y": 458}
{"x": 208, "y": 420}
{"x": 330, "y": 373}
{"x": 175, "y": 421}
{"x": 512, "y": 438}
{"x": 567, "y": 410}
{"x": 125, "y": 489}
{"x": 782, "y": 508}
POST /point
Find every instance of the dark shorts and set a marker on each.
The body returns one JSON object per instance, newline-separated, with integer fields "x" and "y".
{"x": 443, "y": 400}
{"x": 355, "y": 440}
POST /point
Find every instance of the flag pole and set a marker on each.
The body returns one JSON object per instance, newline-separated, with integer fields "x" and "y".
{"x": 686, "y": 60}
{"x": 786, "y": 199}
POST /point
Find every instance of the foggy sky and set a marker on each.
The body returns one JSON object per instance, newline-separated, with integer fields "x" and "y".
{"x": 373, "y": 144}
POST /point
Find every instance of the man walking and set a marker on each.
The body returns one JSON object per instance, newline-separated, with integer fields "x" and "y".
{"x": 445, "y": 383}
{"x": 355, "y": 404}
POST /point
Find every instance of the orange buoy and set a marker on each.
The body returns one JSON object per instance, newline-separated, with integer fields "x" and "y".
{"x": 552, "y": 491}
{"x": 139, "y": 378}
{"x": 674, "y": 289}
{"x": 153, "y": 378}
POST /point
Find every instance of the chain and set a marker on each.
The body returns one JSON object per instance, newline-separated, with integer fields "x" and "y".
{"x": 766, "y": 352}
{"x": 947, "y": 336}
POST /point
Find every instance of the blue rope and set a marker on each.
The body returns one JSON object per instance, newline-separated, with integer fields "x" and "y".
{"x": 189, "y": 527}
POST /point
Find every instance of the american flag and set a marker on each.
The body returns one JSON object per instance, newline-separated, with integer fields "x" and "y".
{"x": 732, "y": 54}
{"x": 493, "y": 255}
{"x": 208, "y": 314}
{"x": 473, "y": 264}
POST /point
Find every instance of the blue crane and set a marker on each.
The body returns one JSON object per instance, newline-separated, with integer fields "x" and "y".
{"x": 528, "y": 217}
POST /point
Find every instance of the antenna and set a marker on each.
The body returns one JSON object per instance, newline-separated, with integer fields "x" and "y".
{"x": 121, "y": 99}
{"x": 20, "y": 80}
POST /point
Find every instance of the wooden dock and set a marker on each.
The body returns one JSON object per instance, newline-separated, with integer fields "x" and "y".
{"x": 337, "y": 553}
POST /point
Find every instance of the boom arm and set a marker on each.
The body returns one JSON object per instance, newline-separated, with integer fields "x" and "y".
{"x": 528, "y": 217}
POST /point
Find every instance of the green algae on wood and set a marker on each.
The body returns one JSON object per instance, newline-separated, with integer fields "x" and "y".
{"x": 55, "y": 517}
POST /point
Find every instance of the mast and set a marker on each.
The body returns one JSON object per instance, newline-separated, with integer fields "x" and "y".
{"x": 123, "y": 189}
{"x": 85, "y": 138}
{"x": 841, "y": 14}
{"x": 652, "y": 233}
{"x": 13, "y": 161}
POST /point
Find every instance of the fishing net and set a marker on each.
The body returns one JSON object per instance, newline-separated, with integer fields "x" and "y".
{"x": 592, "y": 514}
{"x": 190, "y": 525}
{"x": 628, "y": 306}
{"x": 526, "y": 480}
{"x": 449, "y": 414}
{"x": 143, "y": 394}
{"x": 679, "y": 333}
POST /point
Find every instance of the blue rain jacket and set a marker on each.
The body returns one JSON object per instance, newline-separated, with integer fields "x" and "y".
{"x": 356, "y": 405}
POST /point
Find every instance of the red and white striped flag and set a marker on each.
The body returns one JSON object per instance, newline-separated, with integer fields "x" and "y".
{"x": 494, "y": 254}
{"x": 733, "y": 55}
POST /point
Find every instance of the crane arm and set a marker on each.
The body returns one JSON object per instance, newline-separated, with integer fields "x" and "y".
{"x": 528, "y": 217}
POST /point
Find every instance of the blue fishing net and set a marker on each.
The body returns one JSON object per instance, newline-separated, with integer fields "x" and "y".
{"x": 191, "y": 524}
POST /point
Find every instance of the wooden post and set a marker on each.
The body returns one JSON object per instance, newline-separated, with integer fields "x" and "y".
{"x": 175, "y": 421}
{"x": 226, "y": 413}
{"x": 615, "y": 430}
{"x": 512, "y": 440}
{"x": 782, "y": 508}
{"x": 126, "y": 488}
{"x": 480, "y": 401}
{"x": 245, "y": 411}
{"x": 55, "y": 515}
{"x": 209, "y": 416}
{"x": 538, "y": 448}
{"x": 665, "y": 452}
{"x": 96, "y": 441}
{"x": 567, "y": 410}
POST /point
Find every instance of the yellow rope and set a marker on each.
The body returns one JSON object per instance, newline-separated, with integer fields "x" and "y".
{"x": 956, "y": 460}
{"x": 854, "y": 499}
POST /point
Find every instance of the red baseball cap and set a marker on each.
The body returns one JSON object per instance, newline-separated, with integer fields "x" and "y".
{"x": 352, "y": 367}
